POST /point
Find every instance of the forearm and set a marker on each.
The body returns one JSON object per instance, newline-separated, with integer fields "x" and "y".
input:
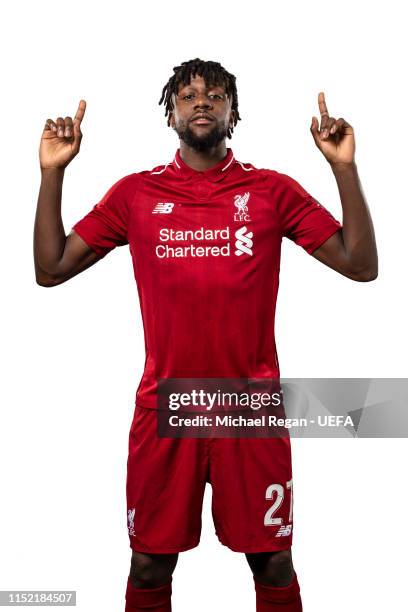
{"x": 49, "y": 233}
{"x": 358, "y": 230}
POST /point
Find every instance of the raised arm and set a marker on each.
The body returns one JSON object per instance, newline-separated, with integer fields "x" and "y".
{"x": 351, "y": 251}
{"x": 58, "y": 257}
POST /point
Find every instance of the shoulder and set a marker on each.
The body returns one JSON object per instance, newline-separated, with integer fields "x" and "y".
{"x": 157, "y": 174}
{"x": 246, "y": 166}
{"x": 275, "y": 182}
{"x": 160, "y": 169}
{"x": 129, "y": 184}
{"x": 129, "y": 181}
{"x": 120, "y": 193}
{"x": 281, "y": 181}
{"x": 265, "y": 174}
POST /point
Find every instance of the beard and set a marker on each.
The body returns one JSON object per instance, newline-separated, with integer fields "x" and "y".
{"x": 202, "y": 143}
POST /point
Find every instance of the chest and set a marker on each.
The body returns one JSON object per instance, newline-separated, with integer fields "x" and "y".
{"x": 205, "y": 233}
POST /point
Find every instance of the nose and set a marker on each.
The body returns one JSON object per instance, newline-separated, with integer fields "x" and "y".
{"x": 202, "y": 101}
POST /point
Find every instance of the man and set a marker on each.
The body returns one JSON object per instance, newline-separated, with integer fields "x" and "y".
{"x": 205, "y": 232}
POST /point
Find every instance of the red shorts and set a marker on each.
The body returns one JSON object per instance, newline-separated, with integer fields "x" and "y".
{"x": 251, "y": 480}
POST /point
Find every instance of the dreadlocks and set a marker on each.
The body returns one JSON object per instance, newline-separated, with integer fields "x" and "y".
{"x": 213, "y": 74}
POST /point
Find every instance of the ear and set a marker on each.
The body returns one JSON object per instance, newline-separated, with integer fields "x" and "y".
{"x": 231, "y": 119}
{"x": 171, "y": 119}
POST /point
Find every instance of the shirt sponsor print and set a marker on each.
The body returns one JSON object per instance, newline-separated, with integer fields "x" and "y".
{"x": 243, "y": 238}
{"x": 169, "y": 237}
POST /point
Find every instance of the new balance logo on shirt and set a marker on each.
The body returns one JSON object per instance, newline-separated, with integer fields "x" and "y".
{"x": 163, "y": 207}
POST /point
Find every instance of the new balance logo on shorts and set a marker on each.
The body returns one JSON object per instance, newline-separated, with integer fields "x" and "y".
{"x": 285, "y": 530}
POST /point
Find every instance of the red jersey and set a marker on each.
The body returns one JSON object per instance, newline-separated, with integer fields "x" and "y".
{"x": 206, "y": 256}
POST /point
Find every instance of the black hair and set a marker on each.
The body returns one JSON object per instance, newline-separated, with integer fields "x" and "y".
{"x": 213, "y": 74}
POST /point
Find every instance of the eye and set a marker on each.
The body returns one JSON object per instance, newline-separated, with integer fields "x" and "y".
{"x": 188, "y": 96}
{"x": 218, "y": 96}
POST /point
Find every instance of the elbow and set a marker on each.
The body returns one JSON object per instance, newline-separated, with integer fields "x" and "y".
{"x": 45, "y": 283}
{"x": 362, "y": 271}
{"x": 46, "y": 280}
{"x": 365, "y": 276}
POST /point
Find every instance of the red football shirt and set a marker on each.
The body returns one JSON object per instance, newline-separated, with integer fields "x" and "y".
{"x": 206, "y": 255}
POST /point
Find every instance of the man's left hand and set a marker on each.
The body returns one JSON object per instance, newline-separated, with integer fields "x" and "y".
{"x": 335, "y": 138}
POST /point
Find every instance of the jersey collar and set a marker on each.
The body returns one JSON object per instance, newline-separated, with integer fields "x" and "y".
{"x": 216, "y": 173}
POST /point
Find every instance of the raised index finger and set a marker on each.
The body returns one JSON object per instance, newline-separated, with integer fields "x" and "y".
{"x": 79, "y": 115}
{"x": 322, "y": 104}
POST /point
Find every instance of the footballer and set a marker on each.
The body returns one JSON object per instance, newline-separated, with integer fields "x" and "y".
{"x": 204, "y": 232}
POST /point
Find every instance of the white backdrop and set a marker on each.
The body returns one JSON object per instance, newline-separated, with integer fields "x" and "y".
{"x": 73, "y": 355}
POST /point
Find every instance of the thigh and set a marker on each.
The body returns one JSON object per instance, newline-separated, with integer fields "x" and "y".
{"x": 165, "y": 487}
{"x": 252, "y": 493}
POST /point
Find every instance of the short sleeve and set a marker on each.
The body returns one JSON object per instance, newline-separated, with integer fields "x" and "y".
{"x": 105, "y": 226}
{"x": 303, "y": 219}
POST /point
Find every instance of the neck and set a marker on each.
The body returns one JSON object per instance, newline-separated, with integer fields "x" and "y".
{"x": 202, "y": 160}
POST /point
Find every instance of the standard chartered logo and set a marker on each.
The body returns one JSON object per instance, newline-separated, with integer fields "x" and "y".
{"x": 168, "y": 247}
{"x": 243, "y": 243}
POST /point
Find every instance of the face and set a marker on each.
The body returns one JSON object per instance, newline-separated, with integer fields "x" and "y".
{"x": 212, "y": 103}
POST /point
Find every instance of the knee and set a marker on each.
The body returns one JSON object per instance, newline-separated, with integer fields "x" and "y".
{"x": 272, "y": 568}
{"x": 151, "y": 571}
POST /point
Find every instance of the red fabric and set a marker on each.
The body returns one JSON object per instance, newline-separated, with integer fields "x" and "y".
{"x": 154, "y": 600}
{"x": 278, "y": 599}
{"x": 166, "y": 478}
{"x": 207, "y": 294}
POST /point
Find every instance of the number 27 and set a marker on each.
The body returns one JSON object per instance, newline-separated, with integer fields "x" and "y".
{"x": 278, "y": 488}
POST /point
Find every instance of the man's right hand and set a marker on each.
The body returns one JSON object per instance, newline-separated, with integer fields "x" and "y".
{"x": 61, "y": 139}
